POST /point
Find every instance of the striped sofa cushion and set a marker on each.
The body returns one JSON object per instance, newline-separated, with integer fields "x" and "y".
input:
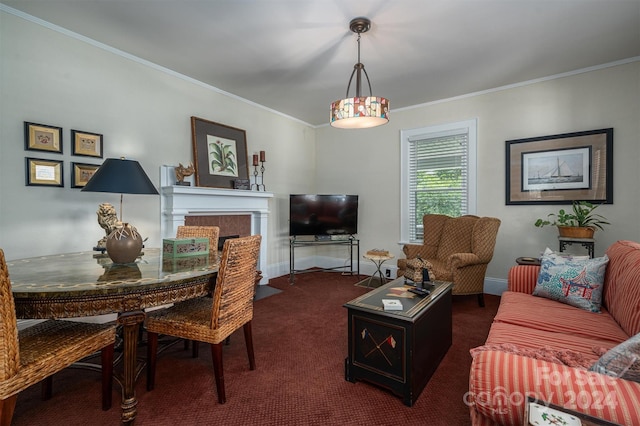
{"x": 538, "y": 313}
{"x": 500, "y": 383}
{"x": 622, "y": 285}
{"x": 525, "y": 337}
{"x": 523, "y": 278}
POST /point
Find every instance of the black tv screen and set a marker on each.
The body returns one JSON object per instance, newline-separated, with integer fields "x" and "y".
{"x": 323, "y": 214}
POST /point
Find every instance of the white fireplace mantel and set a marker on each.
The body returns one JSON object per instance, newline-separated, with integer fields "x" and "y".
{"x": 177, "y": 202}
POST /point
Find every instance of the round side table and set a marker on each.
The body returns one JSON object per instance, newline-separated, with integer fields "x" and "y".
{"x": 528, "y": 261}
{"x": 378, "y": 260}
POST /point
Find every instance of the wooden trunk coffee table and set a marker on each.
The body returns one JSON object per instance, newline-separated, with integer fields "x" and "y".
{"x": 398, "y": 350}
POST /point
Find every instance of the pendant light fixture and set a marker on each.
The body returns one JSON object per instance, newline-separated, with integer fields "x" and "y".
{"x": 359, "y": 112}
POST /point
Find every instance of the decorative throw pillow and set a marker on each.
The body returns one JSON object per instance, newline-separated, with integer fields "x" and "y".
{"x": 575, "y": 281}
{"x": 623, "y": 361}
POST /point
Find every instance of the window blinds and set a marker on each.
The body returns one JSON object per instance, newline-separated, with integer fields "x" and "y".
{"x": 438, "y": 177}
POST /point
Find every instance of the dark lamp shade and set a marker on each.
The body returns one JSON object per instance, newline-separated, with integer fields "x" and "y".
{"x": 120, "y": 176}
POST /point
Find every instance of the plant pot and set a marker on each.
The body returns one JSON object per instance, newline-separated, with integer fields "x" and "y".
{"x": 576, "y": 231}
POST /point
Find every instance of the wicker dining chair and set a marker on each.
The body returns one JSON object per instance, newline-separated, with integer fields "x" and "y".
{"x": 36, "y": 353}
{"x": 213, "y": 320}
{"x": 213, "y": 234}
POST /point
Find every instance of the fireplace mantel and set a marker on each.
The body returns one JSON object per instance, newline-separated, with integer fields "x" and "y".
{"x": 177, "y": 202}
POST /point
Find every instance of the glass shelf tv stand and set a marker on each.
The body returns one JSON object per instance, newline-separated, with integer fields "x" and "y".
{"x": 353, "y": 265}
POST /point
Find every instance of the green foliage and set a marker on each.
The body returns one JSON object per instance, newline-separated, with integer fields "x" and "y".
{"x": 439, "y": 193}
{"x": 580, "y": 215}
{"x": 222, "y": 157}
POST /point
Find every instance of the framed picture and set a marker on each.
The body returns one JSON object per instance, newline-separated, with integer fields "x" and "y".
{"x": 86, "y": 144}
{"x": 219, "y": 153}
{"x": 81, "y": 173}
{"x": 40, "y": 137}
{"x": 559, "y": 169}
{"x": 244, "y": 184}
{"x": 537, "y": 412}
{"x": 44, "y": 172}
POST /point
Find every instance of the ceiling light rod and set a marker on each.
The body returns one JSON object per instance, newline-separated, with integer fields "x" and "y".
{"x": 359, "y": 26}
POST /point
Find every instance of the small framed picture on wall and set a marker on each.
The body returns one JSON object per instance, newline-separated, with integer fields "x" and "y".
{"x": 86, "y": 144}
{"x": 42, "y": 137}
{"x": 81, "y": 173}
{"x": 43, "y": 172}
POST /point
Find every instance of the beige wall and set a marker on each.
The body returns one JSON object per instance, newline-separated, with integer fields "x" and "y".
{"x": 598, "y": 99}
{"x": 143, "y": 112}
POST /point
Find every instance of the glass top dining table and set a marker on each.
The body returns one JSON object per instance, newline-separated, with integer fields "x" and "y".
{"x": 87, "y": 283}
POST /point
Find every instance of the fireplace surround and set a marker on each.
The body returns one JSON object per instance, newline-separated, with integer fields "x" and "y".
{"x": 242, "y": 212}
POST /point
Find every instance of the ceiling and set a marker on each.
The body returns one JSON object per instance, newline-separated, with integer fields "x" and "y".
{"x": 296, "y": 56}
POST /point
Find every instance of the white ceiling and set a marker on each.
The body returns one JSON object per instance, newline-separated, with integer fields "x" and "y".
{"x": 296, "y": 56}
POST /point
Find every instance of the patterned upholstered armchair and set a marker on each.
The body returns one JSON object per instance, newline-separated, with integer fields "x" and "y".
{"x": 458, "y": 249}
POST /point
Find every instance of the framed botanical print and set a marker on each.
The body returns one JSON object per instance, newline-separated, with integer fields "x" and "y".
{"x": 220, "y": 153}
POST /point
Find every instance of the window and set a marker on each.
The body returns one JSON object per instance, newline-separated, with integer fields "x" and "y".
{"x": 438, "y": 166}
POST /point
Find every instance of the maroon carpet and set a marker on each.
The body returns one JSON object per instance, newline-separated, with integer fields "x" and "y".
{"x": 300, "y": 339}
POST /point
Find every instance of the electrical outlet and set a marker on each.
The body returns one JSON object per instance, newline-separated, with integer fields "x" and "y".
{"x": 388, "y": 273}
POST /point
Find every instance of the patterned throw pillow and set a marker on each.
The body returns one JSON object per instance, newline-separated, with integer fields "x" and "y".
{"x": 575, "y": 281}
{"x": 623, "y": 361}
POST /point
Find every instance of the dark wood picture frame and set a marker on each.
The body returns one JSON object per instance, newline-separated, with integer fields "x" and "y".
{"x": 585, "y": 161}
{"x": 42, "y": 137}
{"x": 86, "y": 144}
{"x": 219, "y": 154}
{"x": 41, "y": 172}
{"x": 81, "y": 173}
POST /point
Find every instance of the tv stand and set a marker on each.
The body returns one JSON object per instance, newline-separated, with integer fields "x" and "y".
{"x": 349, "y": 241}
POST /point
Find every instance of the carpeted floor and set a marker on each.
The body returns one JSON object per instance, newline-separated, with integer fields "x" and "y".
{"x": 300, "y": 339}
{"x": 263, "y": 291}
{"x": 370, "y": 282}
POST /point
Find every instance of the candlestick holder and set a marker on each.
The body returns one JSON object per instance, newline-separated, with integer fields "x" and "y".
{"x": 255, "y": 177}
{"x": 264, "y": 188}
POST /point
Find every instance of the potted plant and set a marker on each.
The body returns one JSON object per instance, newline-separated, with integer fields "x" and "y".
{"x": 579, "y": 222}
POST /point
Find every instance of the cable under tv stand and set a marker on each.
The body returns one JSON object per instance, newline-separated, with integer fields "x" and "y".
{"x": 325, "y": 240}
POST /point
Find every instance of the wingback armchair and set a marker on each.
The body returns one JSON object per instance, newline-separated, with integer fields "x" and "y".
{"x": 458, "y": 249}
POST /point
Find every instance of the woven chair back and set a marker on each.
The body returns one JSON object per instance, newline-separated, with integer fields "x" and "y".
{"x": 9, "y": 350}
{"x": 235, "y": 285}
{"x": 210, "y": 232}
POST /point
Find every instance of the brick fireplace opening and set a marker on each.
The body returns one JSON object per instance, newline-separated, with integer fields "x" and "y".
{"x": 233, "y": 225}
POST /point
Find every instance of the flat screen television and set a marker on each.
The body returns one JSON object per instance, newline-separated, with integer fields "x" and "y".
{"x": 323, "y": 214}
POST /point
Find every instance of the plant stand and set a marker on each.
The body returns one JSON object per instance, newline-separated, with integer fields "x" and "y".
{"x": 588, "y": 243}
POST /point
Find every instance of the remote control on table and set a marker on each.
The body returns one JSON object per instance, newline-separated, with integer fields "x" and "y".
{"x": 420, "y": 291}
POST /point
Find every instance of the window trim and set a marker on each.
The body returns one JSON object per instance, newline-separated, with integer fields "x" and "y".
{"x": 407, "y": 135}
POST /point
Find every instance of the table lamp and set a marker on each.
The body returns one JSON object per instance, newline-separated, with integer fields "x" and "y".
{"x": 121, "y": 176}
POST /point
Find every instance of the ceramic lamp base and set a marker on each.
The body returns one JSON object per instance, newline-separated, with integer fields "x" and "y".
{"x": 124, "y": 244}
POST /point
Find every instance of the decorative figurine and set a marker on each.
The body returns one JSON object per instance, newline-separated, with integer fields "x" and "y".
{"x": 182, "y": 172}
{"x": 108, "y": 220}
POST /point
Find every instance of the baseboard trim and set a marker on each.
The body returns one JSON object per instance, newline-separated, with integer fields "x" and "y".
{"x": 495, "y": 286}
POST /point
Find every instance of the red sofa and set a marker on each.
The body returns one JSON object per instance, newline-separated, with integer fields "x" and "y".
{"x": 501, "y": 378}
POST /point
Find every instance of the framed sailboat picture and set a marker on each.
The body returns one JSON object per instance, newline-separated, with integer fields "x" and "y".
{"x": 559, "y": 169}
